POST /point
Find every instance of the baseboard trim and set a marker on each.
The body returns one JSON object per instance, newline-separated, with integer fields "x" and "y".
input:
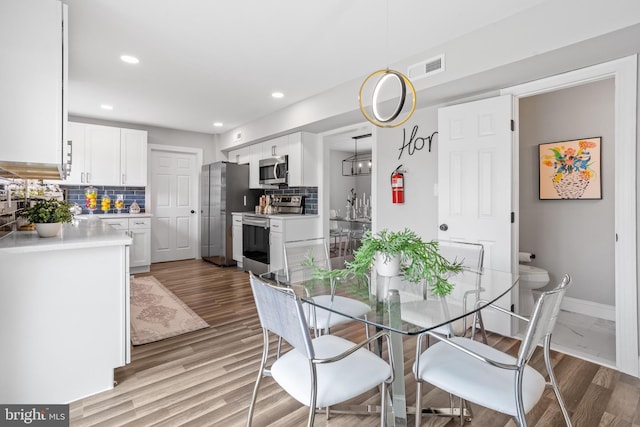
{"x": 588, "y": 308}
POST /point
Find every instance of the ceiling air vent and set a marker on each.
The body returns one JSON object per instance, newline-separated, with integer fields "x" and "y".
{"x": 426, "y": 68}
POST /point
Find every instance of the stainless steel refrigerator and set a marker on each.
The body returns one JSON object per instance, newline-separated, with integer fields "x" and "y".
{"x": 224, "y": 189}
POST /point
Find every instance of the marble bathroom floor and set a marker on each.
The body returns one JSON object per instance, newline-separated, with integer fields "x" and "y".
{"x": 585, "y": 337}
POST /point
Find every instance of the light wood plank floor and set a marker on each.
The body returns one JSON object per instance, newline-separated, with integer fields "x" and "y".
{"x": 205, "y": 378}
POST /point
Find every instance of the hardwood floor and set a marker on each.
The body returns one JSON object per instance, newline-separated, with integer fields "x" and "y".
{"x": 205, "y": 378}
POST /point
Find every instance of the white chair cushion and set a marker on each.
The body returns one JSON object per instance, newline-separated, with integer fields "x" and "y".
{"x": 338, "y": 381}
{"x": 462, "y": 375}
{"x": 327, "y": 319}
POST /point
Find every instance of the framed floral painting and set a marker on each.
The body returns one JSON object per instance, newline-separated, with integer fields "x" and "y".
{"x": 570, "y": 169}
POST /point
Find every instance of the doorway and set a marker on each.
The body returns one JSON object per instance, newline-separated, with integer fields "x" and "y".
{"x": 347, "y": 178}
{"x": 624, "y": 72}
{"x": 174, "y": 202}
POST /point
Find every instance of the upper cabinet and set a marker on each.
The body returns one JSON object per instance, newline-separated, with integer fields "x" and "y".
{"x": 104, "y": 155}
{"x": 133, "y": 157}
{"x": 276, "y": 147}
{"x": 32, "y": 87}
{"x": 240, "y": 156}
{"x": 304, "y": 157}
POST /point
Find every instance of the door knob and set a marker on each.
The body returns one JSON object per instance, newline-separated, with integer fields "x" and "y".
{"x": 444, "y": 227}
{"x": 192, "y": 211}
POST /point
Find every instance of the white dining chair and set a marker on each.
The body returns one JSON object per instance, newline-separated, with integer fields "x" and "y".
{"x": 489, "y": 377}
{"x": 297, "y": 253}
{"x": 319, "y": 372}
{"x": 470, "y": 256}
{"x": 339, "y": 235}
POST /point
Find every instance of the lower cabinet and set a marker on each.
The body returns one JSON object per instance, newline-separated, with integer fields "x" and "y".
{"x": 140, "y": 231}
{"x": 236, "y": 232}
{"x": 276, "y": 244}
{"x": 285, "y": 230}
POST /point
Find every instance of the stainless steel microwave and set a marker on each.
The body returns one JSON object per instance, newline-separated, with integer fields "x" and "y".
{"x": 274, "y": 170}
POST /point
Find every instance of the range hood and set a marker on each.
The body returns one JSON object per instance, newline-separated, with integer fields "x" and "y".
{"x": 30, "y": 170}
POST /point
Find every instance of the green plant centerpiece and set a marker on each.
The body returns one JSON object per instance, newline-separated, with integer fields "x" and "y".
{"x": 45, "y": 213}
{"x": 48, "y": 212}
{"x": 419, "y": 260}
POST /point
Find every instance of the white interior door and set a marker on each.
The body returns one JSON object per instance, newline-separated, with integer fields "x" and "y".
{"x": 475, "y": 183}
{"x": 174, "y": 204}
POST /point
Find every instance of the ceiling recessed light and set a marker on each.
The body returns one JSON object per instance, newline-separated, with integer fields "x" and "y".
{"x": 106, "y": 107}
{"x": 129, "y": 59}
{"x": 277, "y": 95}
{"x": 218, "y": 124}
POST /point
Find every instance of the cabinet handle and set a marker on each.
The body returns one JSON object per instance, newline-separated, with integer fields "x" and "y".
{"x": 139, "y": 223}
{"x": 88, "y": 177}
{"x": 273, "y": 150}
{"x": 124, "y": 180}
{"x": 82, "y": 177}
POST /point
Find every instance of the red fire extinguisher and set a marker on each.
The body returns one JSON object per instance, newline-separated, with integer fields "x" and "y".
{"x": 397, "y": 186}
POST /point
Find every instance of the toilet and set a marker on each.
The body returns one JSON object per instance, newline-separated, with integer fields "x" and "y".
{"x": 530, "y": 278}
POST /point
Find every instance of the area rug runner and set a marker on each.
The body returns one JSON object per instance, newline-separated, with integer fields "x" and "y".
{"x": 156, "y": 313}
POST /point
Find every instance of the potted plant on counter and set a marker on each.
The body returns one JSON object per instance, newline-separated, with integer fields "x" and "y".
{"x": 404, "y": 253}
{"x": 48, "y": 216}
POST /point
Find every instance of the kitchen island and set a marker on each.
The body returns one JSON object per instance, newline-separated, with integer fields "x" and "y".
{"x": 64, "y": 312}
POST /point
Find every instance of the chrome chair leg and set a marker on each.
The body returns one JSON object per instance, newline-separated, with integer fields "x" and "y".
{"x": 554, "y": 383}
{"x": 418, "y": 403}
{"x": 263, "y": 364}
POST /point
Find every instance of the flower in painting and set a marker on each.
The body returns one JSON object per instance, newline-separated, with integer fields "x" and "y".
{"x": 567, "y": 160}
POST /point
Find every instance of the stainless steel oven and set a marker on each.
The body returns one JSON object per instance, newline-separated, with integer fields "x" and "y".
{"x": 255, "y": 243}
{"x": 274, "y": 170}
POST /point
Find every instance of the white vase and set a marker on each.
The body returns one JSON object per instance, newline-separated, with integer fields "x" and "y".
{"x": 48, "y": 230}
{"x": 388, "y": 267}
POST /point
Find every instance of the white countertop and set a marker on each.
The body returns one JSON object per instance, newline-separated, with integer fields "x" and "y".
{"x": 89, "y": 233}
{"x": 116, "y": 215}
{"x": 278, "y": 216}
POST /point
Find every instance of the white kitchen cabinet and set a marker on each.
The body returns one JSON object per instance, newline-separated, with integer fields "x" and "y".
{"x": 236, "y": 231}
{"x": 105, "y": 155}
{"x": 285, "y": 229}
{"x": 276, "y": 244}
{"x": 139, "y": 228}
{"x": 133, "y": 157}
{"x": 304, "y": 158}
{"x": 240, "y": 156}
{"x": 102, "y": 155}
{"x": 140, "y": 232}
{"x": 255, "y": 153}
{"x": 275, "y": 147}
{"x": 33, "y": 87}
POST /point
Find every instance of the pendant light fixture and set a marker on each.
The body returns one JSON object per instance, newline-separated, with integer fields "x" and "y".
{"x": 359, "y": 163}
{"x": 389, "y": 84}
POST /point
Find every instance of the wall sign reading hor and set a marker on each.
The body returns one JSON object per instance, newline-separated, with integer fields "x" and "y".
{"x": 570, "y": 169}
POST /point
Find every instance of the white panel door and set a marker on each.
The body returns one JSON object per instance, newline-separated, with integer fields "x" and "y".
{"x": 174, "y": 186}
{"x": 475, "y": 182}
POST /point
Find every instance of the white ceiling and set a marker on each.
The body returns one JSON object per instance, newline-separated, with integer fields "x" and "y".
{"x": 203, "y": 61}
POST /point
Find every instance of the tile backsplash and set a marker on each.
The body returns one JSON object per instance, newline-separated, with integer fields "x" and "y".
{"x": 75, "y": 194}
{"x": 310, "y": 196}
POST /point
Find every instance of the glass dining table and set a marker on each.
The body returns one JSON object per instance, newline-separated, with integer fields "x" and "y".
{"x": 407, "y": 309}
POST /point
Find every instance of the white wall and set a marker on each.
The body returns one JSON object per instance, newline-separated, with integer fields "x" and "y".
{"x": 570, "y": 236}
{"x": 572, "y": 34}
{"x": 166, "y": 136}
{"x": 420, "y": 210}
